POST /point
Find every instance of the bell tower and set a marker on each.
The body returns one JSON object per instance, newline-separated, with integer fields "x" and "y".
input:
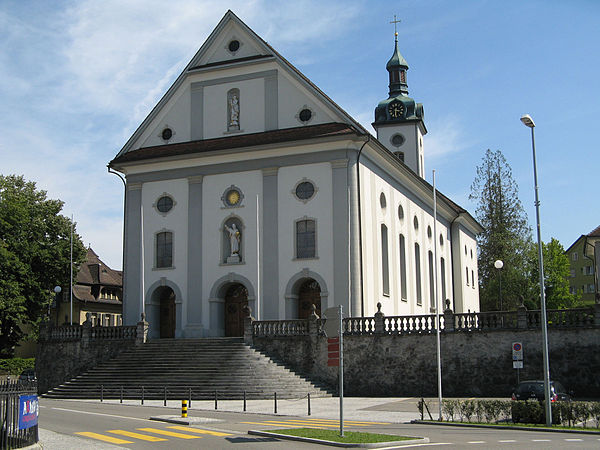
{"x": 398, "y": 119}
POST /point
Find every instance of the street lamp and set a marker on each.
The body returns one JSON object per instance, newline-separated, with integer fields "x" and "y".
{"x": 57, "y": 291}
{"x": 528, "y": 122}
{"x": 499, "y": 265}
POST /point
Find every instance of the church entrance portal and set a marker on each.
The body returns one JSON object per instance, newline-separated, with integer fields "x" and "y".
{"x": 236, "y": 297}
{"x": 167, "y": 313}
{"x": 309, "y": 293}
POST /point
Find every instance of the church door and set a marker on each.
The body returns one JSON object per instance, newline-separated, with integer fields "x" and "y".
{"x": 309, "y": 294}
{"x": 167, "y": 313}
{"x": 235, "y": 300}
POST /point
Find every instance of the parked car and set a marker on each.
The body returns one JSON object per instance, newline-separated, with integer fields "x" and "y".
{"x": 28, "y": 375}
{"x": 534, "y": 390}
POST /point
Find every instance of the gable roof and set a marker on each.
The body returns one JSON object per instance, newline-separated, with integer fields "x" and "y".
{"x": 595, "y": 232}
{"x": 93, "y": 272}
{"x": 194, "y": 65}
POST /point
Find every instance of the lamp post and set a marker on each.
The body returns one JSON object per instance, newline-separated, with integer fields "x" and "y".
{"x": 57, "y": 291}
{"x": 528, "y": 122}
{"x": 499, "y": 265}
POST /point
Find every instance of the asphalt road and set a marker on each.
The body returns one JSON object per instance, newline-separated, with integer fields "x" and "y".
{"x": 78, "y": 425}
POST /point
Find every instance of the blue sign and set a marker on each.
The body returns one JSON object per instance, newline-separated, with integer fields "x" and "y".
{"x": 28, "y": 411}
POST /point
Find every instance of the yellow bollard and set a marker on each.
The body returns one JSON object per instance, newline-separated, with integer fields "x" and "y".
{"x": 184, "y": 404}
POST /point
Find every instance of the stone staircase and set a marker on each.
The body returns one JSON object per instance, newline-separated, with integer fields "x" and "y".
{"x": 225, "y": 365}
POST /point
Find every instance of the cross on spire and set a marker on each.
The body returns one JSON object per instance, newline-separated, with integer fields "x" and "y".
{"x": 395, "y": 22}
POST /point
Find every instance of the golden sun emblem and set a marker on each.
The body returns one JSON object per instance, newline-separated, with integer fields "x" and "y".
{"x": 233, "y": 197}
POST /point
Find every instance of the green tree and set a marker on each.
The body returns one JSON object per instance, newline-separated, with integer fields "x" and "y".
{"x": 506, "y": 235}
{"x": 556, "y": 277}
{"x": 34, "y": 257}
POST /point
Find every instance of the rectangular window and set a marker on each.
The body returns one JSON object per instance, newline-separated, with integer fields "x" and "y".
{"x": 164, "y": 249}
{"x": 575, "y": 256}
{"x": 589, "y": 270}
{"x": 591, "y": 288}
{"x": 443, "y": 278}
{"x": 305, "y": 239}
{"x": 572, "y": 273}
{"x": 403, "y": 290}
{"x": 431, "y": 281}
{"x": 385, "y": 272}
{"x": 418, "y": 273}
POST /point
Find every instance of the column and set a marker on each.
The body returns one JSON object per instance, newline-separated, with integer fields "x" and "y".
{"x": 269, "y": 253}
{"x": 193, "y": 327}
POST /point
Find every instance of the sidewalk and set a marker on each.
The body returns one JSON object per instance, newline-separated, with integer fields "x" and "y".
{"x": 382, "y": 409}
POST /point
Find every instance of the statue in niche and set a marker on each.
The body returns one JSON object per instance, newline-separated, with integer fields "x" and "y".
{"x": 234, "y": 110}
{"x": 235, "y": 238}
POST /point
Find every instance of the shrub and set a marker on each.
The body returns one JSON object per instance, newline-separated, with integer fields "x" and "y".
{"x": 448, "y": 408}
{"x": 14, "y": 366}
{"x": 466, "y": 409}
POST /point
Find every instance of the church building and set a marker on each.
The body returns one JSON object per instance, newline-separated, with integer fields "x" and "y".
{"x": 247, "y": 185}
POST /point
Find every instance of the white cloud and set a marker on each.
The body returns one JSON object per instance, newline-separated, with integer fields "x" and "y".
{"x": 445, "y": 137}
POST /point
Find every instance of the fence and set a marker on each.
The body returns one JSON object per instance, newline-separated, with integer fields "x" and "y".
{"x": 522, "y": 319}
{"x": 15, "y": 432}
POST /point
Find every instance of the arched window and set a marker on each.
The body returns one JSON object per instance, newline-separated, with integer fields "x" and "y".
{"x": 403, "y": 289}
{"x": 385, "y": 269}
{"x": 431, "y": 281}
{"x": 306, "y": 239}
{"x": 443, "y": 278}
{"x": 164, "y": 249}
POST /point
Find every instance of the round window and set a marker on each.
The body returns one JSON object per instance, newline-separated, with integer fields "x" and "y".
{"x": 400, "y": 212}
{"x": 305, "y": 190}
{"x": 167, "y": 134}
{"x": 234, "y": 46}
{"x": 305, "y": 115}
{"x": 397, "y": 140}
{"x": 416, "y": 223}
{"x": 164, "y": 204}
{"x": 382, "y": 200}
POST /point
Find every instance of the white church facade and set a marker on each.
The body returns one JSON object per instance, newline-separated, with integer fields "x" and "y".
{"x": 247, "y": 185}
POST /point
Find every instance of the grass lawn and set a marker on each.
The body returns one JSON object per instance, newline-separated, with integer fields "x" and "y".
{"x": 350, "y": 437}
{"x": 588, "y": 427}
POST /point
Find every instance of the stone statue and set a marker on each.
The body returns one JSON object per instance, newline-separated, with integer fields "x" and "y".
{"x": 234, "y": 111}
{"x": 234, "y": 239}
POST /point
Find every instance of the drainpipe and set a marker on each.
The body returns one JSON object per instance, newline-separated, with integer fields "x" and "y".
{"x": 360, "y": 252}
{"x": 124, "y": 219}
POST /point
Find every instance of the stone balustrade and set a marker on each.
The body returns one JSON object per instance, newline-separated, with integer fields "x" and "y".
{"x": 522, "y": 319}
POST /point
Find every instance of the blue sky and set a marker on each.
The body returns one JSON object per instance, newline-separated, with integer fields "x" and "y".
{"x": 79, "y": 76}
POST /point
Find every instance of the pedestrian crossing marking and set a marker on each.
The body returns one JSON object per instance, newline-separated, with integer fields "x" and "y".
{"x": 198, "y": 430}
{"x": 143, "y": 437}
{"x": 349, "y": 421}
{"x": 101, "y": 437}
{"x": 169, "y": 433}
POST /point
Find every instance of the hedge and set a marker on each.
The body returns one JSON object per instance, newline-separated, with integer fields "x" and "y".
{"x": 494, "y": 411}
{"x": 15, "y": 366}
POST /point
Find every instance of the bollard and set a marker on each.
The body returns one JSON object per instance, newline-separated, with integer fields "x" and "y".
{"x": 184, "y": 407}
{"x": 142, "y": 395}
{"x": 215, "y": 399}
{"x": 190, "y": 398}
{"x": 309, "y": 403}
{"x": 101, "y": 392}
{"x": 165, "y": 397}
{"x": 244, "y": 401}
{"x": 121, "y": 398}
{"x": 275, "y": 402}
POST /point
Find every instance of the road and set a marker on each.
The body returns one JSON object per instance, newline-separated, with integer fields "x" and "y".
{"x": 78, "y": 425}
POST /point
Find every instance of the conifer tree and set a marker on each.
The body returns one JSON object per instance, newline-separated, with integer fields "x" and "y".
{"x": 506, "y": 235}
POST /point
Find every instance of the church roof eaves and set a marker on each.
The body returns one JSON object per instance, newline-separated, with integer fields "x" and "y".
{"x": 238, "y": 141}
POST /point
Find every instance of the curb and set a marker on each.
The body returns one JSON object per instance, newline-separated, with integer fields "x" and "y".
{"x": 184, "y": 421}
{"x": 504, "y": 427}
{"x": 339, "y": 444}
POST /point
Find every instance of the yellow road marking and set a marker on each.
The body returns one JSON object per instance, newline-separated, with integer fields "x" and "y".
{"x": 101, "y": 437}
{"x": 198, "y": 430}
{"x": 169, "y": 433}
{"x": 350, "y": 421}
{"x": 143, "y": 437}
{"x": 283, "y": 424}
{"x": 312, "y": 425}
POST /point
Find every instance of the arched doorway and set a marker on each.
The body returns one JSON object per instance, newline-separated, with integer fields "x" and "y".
{"x": 236, "y": 297}
{"x": 309, "y": 293}
{"x": 167, "y": 312}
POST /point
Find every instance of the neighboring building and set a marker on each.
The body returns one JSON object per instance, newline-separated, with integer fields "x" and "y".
{"x": 246, "y": 184}
{"x": 583, "y": 257}
{"x": 98, "y": 290}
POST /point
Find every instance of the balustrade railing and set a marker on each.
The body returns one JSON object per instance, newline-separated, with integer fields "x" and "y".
{"x": 114, "y": 333}
{"x": 280, "y": 327}
{"x": 562, "y": 318}
{"x": 66, "y": 332}
{"x": 411, "y": 324}
{"x": 359, "y": 325}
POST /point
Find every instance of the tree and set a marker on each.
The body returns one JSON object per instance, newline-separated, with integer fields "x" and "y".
{"x": 34, "y": 257}
{"x": 556, "y": 277}
{"x": 506, "y": 235}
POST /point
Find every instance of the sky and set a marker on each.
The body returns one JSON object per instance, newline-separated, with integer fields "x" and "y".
{"x": 78, "y": 77}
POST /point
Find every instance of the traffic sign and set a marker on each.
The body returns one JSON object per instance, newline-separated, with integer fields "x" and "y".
{"x": 331, "y": 328}
{"x": 517, "y": 364}
{"x": 517, "y": 351}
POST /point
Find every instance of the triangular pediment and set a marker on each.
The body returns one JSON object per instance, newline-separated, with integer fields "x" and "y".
{"x": 270, "y": 93}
